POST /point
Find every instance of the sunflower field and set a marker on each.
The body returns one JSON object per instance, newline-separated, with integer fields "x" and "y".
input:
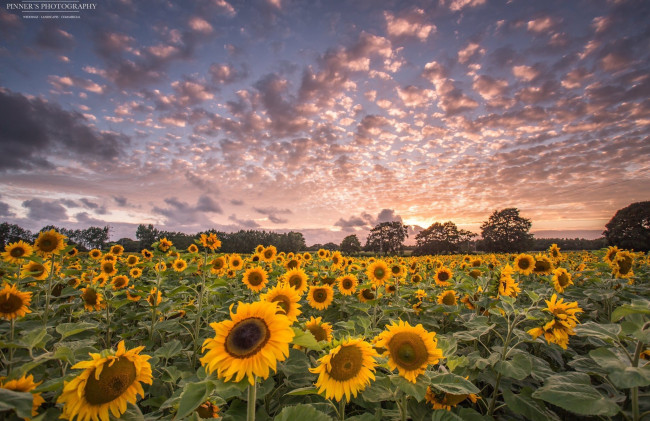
{"x": 197, "y": 334}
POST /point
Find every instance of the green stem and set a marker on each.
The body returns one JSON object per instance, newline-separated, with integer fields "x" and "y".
{"x": 108, "y": 320}
{"x": 252, "y": 397}
{"x": 11, "y": 350}
{"x": 495, "y": 394}
{"x": 48, "y": 293}
{"x": 403, "y": 410}
{"x": 342, "y": 409}
{"x": 634, "y": 393}
{"x": 197, "y": 321}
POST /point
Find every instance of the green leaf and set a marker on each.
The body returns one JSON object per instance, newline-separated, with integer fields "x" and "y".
{"x": 444, "y": 415}
{"x": 310, "y": 390}
{"x": 636, "y": 307}
{"x": 619, "y": 372}
{"x": 452, "y": 383}
{"x": 132, "y": 413}
{"x": 21, "y": 402}
{"x": 297, "y": 363}
{"x": 574, "y": 392}
{"x": 380, "y": 390}
{"x": 34, "y": 338}
{"x": 69, "y": 329}
{"x": 523, "y": 404}
{"x": 301, "y": 412}
{"x": 418, "y": 390}
{"x": 607, "y": 332}
{"x": 305, "y": 339}
{"x": 169, "y": 350}
{"x": 518, "y": 368}
{"x": 194, "y": 394}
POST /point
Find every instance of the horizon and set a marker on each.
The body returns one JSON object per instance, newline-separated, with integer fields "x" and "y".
{"x": 325, "y": 118}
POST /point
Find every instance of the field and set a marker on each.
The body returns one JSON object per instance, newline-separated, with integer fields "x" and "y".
{"x": 191, "y": 334}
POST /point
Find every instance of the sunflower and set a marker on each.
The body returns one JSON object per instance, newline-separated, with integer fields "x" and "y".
{"x": 109, "y": 382}
{"x": 366, "y": 295}
{"x": 561, "y": 279}
{"x": 217, "y": 265}
{"x": 24, "y": 384}
{"x": 269, "y": 253}
{"x": 117, "y": 250}
{"x": 164, "y": 244}
{"x": 109, "y": 257}
{"x": 610, "y": 254}
{"x": 255, "y": 278}
{"x": 15, "y": 252}
{"x": 447, "y": 298}
{"x": 524, "y": 264}
{"x": 347, "y": 284}
{"x": 259, "y": 249}
{"x": 120, "y": 282}
{"x": 306, "y": 256}
{"x": 337, "y": 259}
{"x": 210, "y": 241}
{"x": 92, "y": 299}
{"x": 13, "y": 302}
{"x": 108, "y": 268}
{"x": 411, "y": 349}
{"x": 147, "y": 254}
{"x": 292, "y": 263}
{"x": 49, "y": 242}
{"x": 397, "y": 270}
{"x": 155, "y": 297}
{"x": 564, "y": 320}
{"x": 249, "y": 344}
{"x": 442, "y": 276}
{"x": 160, "y": 267}
{"x": 132, "y": 295}
{"x": 287, "y": 299}
{"x": 207, "y": 410}
{"x": 622, "y": 265}
{"x": 297, "y": 278}
{"x": 446, "y": 401}
{"x": 320, "y": 297}
{"x": 507, "y": 285}
{"x": 179, "y": 265}
{"x": 192, "y": 248}
{"x": 135, "y": 273}
{"x": 554, "y": 251}
{"x": 36, "y": 270}
{"x": 543, "y": 265}
{"x": 378, "y": 273}
{"x": 346, "y": 370}
{"x": 322, "y": 331}
{"x": 132, "y": 260}
{"x": 323, "y": 254}
{"x": 235, "y": 262}
{"x": 95, "y": 254}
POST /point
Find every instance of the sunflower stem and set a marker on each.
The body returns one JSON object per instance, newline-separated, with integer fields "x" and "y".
{"x": 11, "y": 350}
{"x": 342, "y": 410}
{"x": 403, "y": 411}
{"x": 197, "y": 322}
{"x": 108, "y": 319}
{"x": 48, "y": 292}
{"x": 252, "y": 397}
{"x": 634, "y": 393}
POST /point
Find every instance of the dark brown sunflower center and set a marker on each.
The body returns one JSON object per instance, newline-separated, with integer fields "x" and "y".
{"x": 268, "y": 254}
{"x": 255, "y": 278}
{"x": 346, "y": 364}
{"x": 624, "y": 266}
{"x": 107, "y": 267}
{"x": 449, "y": 299}
{"x": 47, "y": 244}
{"x": 217, "y": 264}
{"x": 207, "y": 410}
{"x": 95, "y": 254}
{"x": 347, "y": 283}
{"x": 379, "y": 273}
{"x": 120, "y": 282}
{"x": 523, "y": 264}
{"x": 542, "y": 266}
{"x": 408, "y": 350}
{"x": 10, "y": 303}
{"x": 396, "y": 270}
{"x": 563, "y": 280}
{"x": 476, "y": 263}
{"x": 295, "y": 281}
{"x": 475, "y": 273}
{"x": 113, "y": 381}
{"x": 38, "y": 269}
{"x": 453, "y": 400}
{"x": 247, "y": 337}
{"x": 443, "y": 276}
{"x": 320, "y": 295}
{"x": 367, "y": 294}
{"x": 17, "y": 252}
{"x": 235, "y": 263}
{"x": 131, "y": 260}
{"x": 318, "y": 331}
{"x": 284, "y": 303}
{"x": 90, "y": 297}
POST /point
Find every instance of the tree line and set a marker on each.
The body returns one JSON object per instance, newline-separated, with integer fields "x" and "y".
{"x": 505, "y": 231}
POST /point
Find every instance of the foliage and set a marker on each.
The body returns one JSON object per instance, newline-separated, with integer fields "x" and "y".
{"x": 350, "y": 244}
{"x": 506, "y": 231}
{"x": 441, "y": 238}
{"x": 10, "y": 233}
{"x": 629, "y": 228}
{"x": 387, "y": 238}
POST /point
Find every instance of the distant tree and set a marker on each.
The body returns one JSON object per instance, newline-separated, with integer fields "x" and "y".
{"x": 350, "y": 244}
{"x": 629, "y": 228}
{"x": 93, "y": 237}
{"x": 506, "y": 231}
{"x": 441, "y": 238}
{"x": 10, "y": 233}
{"x": 330, "y": 246}
{"x": 387, "y": 238}
{"x": 147, "y": 235}
{"x": 130, "y": 245}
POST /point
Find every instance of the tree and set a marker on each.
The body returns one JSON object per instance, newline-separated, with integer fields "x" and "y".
{"x": 441, "y": 238}
{"x": 629, "y": 228}
{"x": 387, "y": 237}
{"x": 350, "y": 244}
{"x": 10, "y": 233}
{"x": 147, "y": 234}
{"x": 93, "y": 237}
{"x": 506, "y": 231}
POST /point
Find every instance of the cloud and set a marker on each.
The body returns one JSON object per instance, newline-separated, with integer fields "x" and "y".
{"x": 272, "y": 213}
{"x": 184, "y": 214}
{"x": 225, "y": 73}
{"x": 244, "y": 223}
{"x": 458, "y": 5}
{"x": 237, "y": 202}
{"x": 121, "y": 200}
{"x": 541, "y": 25}
{"x": 388, "y": 215}
{"x": 32, "y": 130}
{"x": 41, "y": 210}
{"x": 5, "y": 210}
{"x": 410, "y": 24}
{"x": 471, "y": 50}
{"x": 53, "y": 38}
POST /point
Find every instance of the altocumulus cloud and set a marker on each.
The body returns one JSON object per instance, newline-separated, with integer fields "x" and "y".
{"x": 31, "y": 129}
{"x": 41, "y": 210}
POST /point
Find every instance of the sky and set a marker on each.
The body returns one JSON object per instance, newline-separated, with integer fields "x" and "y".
{"x": 324, "y": 117}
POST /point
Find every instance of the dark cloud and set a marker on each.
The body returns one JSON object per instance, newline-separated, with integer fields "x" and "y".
{"x": 244, "y": 223}
{"x": 207, "y": 204}
{"x": 273, "y": 212}
{"x": 41, "y": 210}
{"x": 5, "y": 211}
{"x": 202, "y": 183}
{"x": 50, "y": 36}
{"x": 184, "y": 214}
{"x": 277, "y": 220}
{"x": 364, "y": 221}
{"x": 120, "y": 200}
{"x": 69, "y": 203}
{"x": 32, "y": 129}
{"x": 388, "y": 215}
{"x": 237, "y": 202}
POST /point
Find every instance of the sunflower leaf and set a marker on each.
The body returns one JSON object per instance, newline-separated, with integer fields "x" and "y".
{"x": 518, "y": 368}
{"x": 418, "y": 390}
{"x": 194, "y": 394}
{"x": 574, "y": 392}
{"x": 21, "y": 402}
{"x": 452, "y": 383}
{"x": 301, "y": 412}
{"x": 523, "y": 404}
{"x": 607, "y": 332}
{"x": 305, "y": 339}
{"x": 69, "y": 329}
